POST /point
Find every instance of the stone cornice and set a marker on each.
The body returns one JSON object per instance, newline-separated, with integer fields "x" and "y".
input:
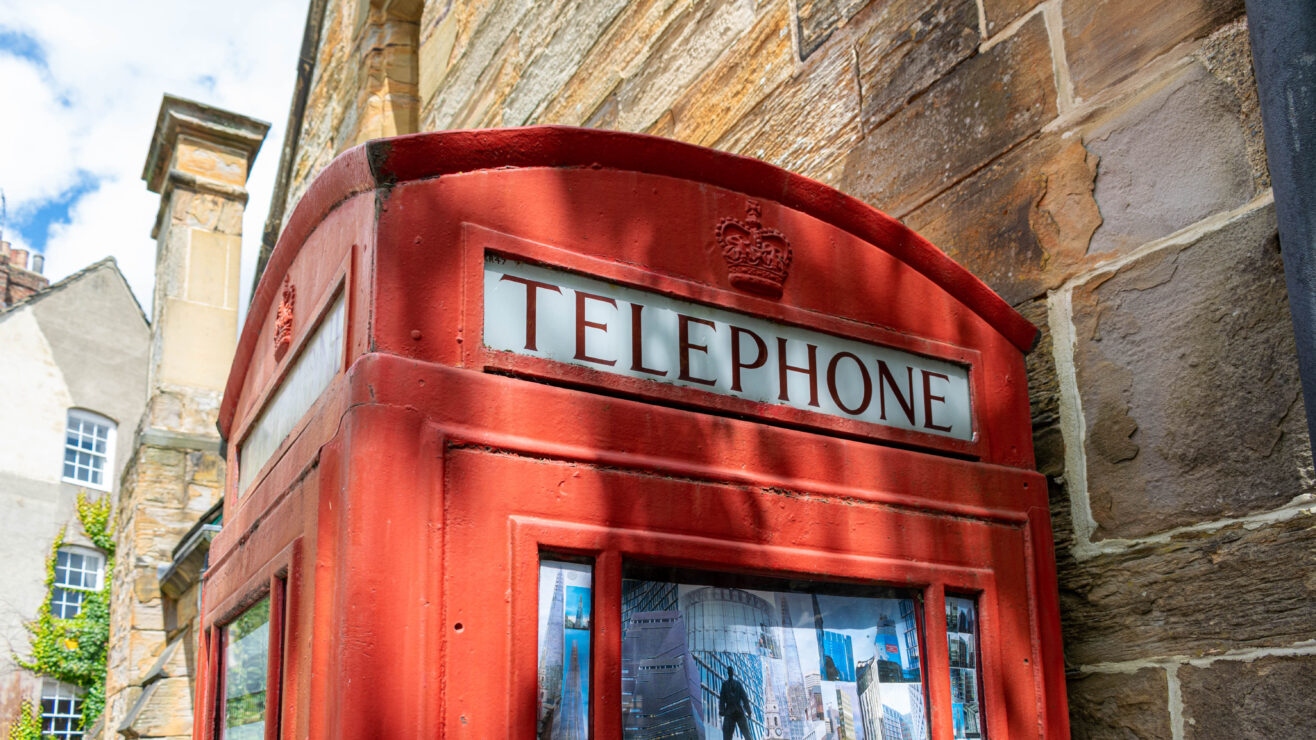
{"x": 179, "y": 116}
{"x": 188, "y": 181}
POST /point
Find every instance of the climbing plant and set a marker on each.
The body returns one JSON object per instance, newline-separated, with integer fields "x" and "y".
{"x": 73, "y": 650}
{"x": 28, "y": 724}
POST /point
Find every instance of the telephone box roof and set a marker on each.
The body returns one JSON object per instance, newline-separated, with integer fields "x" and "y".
{"x": 384, "y": 163}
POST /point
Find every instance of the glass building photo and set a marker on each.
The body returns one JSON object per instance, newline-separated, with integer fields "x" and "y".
{"x": 714, "y": 656}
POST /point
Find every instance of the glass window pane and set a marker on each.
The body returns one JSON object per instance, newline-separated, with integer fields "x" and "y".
{"x": 962, "y": 644}
{"x": 720, "y": 655}
{"x": 316, "y": 365}
{"x": 565, "y": 615}
{"x": 61, "y": 711}
{"x": 86, "y": 448}
{"x": 246, "y": 670}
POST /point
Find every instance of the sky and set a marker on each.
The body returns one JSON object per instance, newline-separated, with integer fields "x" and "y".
{"x": 80, "y": 88}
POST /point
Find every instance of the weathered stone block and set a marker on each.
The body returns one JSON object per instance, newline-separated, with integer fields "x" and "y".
{"x": 1228, "y": 56}
{"x": 173, "y": 662}
{"x": 1268, "y": 697}
{"x": 1043, "y": 384}
{"x": 205, "y": 160}
{"x": 482, "y": 50}
{"x": 818, "y": 19}
{"x": 1062, "y": 513}
{"x": 118, "y": 703}
{"x": 822, "y": 98}
{"x": 583, "y": 98}
{"x": 1001, "y": 13}
{"x": 483, "y": 108}
{"x": 989, "y": 103}
{"x": 163, "y": 709}
{"x": 751, "y": 69}
{"x": 1108, "y": 40}
{"x": 1119, "y": 706}
{"x": 1171, "y": 159}
{"x": 688, "y": 46}
{"x": 147, "y": 614}
{"x": 907, "y": 46}
{"x": 436, "y": 42}
{"x": 205, "y": 468}
{"x": 1023, "y": 223}
{"x": 1200, "y": 593}
{"x": 551, "y": 62}
{"x": 144, "y": 647}
{"x": 145, "y": 585}
{"x": 1189, "y": 384}
{"x": 155, "y": 533}
{"x": 185, "y": 609}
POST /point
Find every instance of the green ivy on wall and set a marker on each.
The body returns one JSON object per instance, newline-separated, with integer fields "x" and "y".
{"x": 28, "y": 724}
{"x": 73, "y": 650}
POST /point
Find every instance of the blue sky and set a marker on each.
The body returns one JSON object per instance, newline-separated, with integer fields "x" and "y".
{"x": 81, "y": 83}
{"x": 32, "y": 223}
{"x": 23, "y": 46}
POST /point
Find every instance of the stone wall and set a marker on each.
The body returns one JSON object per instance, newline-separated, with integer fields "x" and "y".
{"x": 1100, "y": 164}
{"x": 167, "y": 488}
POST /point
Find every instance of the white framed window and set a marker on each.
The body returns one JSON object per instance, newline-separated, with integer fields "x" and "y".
{"x": 61, "y": 711}
{"x": 89, "y": 450}
{"x": 77, "y": 572}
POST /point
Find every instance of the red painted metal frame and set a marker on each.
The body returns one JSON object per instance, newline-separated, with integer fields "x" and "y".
{"x": 420, "y": 488}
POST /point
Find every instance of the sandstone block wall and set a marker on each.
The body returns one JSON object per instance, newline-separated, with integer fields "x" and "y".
{"x": 150, "y": 664}
{"x": 1099, "y": 163}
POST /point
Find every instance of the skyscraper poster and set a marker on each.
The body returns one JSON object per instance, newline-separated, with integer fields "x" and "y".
{"x": 962, "y": 643}
{"x": 564, "y": 650}
{"x": 714, "y": 656}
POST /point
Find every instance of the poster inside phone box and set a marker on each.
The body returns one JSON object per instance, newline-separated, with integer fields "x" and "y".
{"x": 561, "y": 433}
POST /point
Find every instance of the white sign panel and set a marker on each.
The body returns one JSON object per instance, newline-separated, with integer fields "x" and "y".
{"x": 565, "y": 317}
{"x": 317, "y": 363}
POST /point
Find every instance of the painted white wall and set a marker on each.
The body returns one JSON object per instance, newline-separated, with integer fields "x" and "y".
{"x": 33, "y": 407}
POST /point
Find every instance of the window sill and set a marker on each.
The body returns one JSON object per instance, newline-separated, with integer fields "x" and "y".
{"x": 84, "y": 484}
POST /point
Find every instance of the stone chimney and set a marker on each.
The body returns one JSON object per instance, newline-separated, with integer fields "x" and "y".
{"x": 198, "y": 162}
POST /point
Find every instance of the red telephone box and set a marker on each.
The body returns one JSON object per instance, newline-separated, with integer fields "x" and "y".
{"x": 553, "y": 432}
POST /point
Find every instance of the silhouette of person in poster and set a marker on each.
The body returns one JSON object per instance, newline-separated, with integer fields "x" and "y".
{"x": 733, "y": 705}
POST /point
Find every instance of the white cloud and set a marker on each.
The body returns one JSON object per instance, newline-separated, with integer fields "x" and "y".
{"x": 118, "y": 206}
{"x": 91, "y": 110}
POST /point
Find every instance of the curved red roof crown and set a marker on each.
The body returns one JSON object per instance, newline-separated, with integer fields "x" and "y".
{"x": 384, "y": 163}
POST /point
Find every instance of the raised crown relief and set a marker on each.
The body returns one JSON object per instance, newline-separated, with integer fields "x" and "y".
{"x": 758, "y": 258}
{"x": 283, "y": 320}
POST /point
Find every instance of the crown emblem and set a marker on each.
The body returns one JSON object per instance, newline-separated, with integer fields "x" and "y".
{"x": 283, "y": 320}
{"x": 757, "y": 257}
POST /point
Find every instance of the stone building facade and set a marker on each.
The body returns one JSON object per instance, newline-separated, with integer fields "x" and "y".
{"x": 1099, "y": 163}
{"x": 74, "y": 358}
{"x": 198, "y": 162}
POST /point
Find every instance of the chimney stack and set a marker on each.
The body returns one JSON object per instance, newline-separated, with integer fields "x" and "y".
{"x": 198, "y": 162}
